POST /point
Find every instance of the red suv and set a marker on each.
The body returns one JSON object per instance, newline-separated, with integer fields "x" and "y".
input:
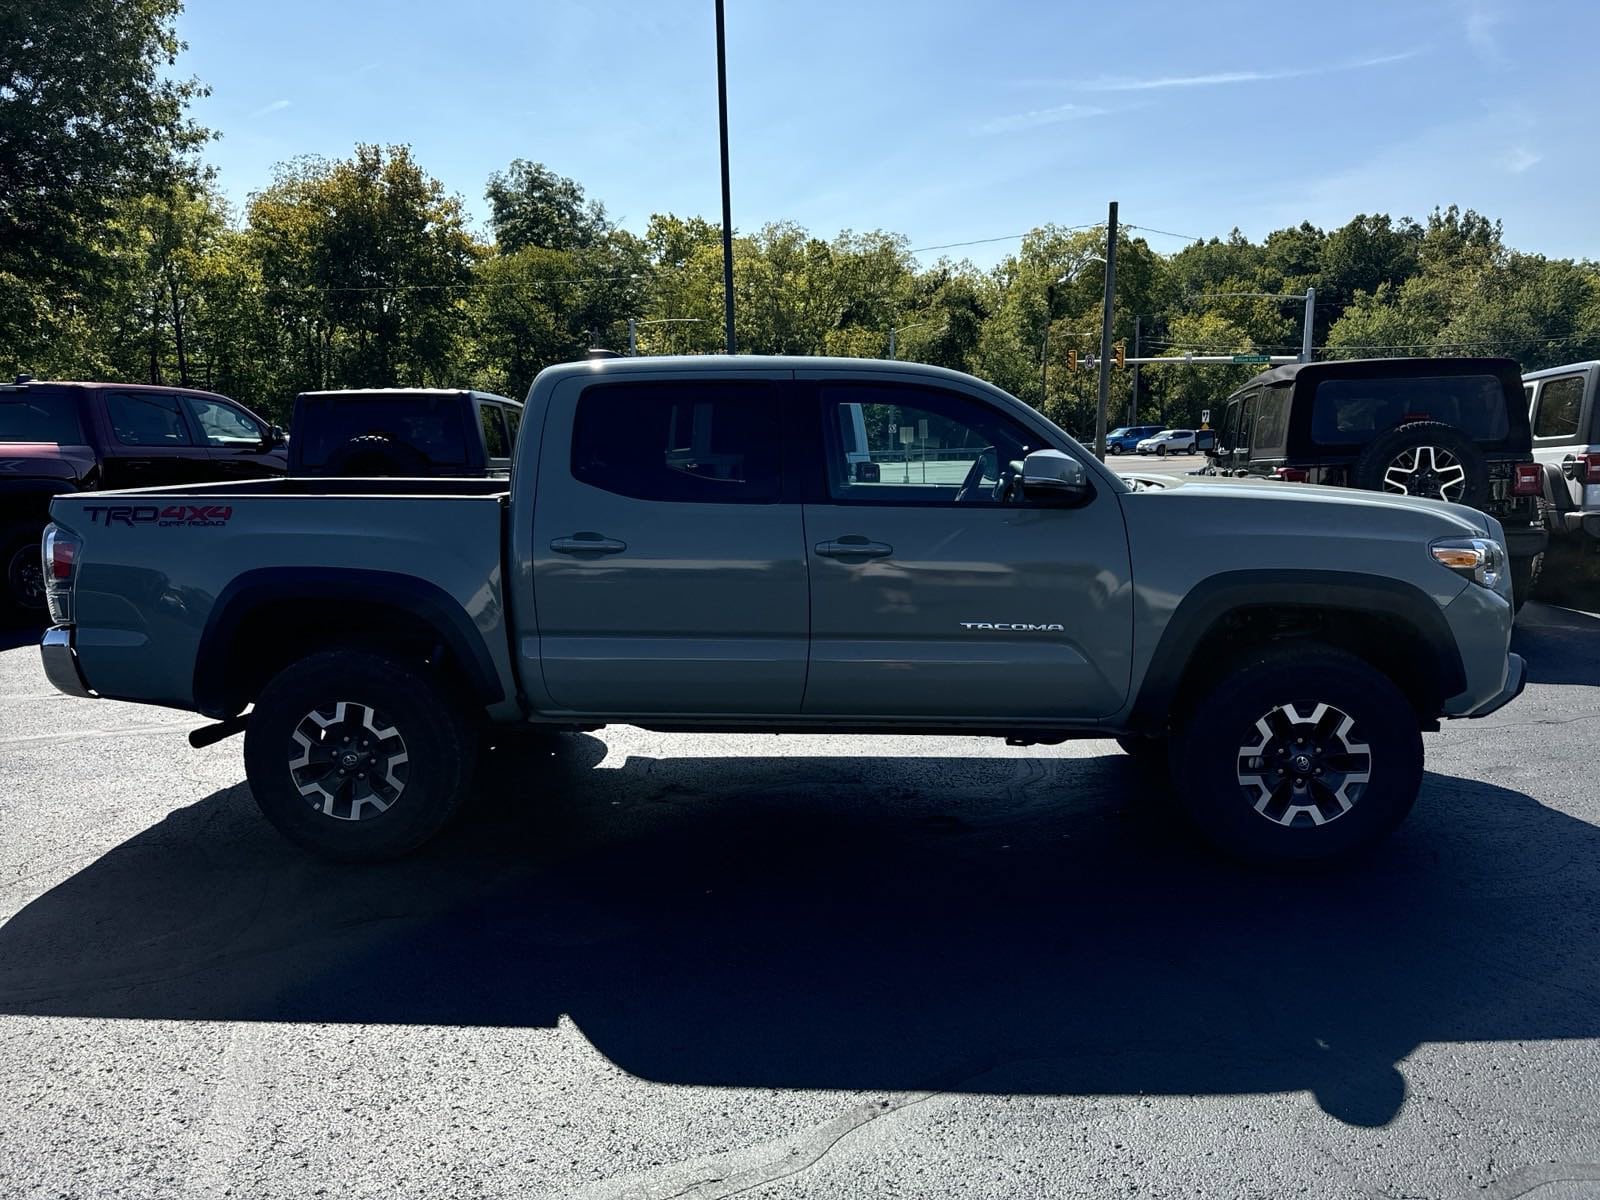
{"x": 74, "y": 437}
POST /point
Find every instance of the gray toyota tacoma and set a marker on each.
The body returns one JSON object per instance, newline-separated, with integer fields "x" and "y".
{"x": 795, "y": 545}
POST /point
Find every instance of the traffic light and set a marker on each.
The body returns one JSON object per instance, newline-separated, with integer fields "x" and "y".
{"x": 1072, "y": 360}
{"x": 1122, "y": 354}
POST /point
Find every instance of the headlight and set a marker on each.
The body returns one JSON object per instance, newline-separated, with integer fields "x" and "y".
{"x": 1477, "y": 559}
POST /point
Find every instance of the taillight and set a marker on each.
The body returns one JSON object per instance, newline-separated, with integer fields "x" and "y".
{"x": 60, "y": 566}
{"x": 1588, "y": 469}
{"x": 1528, "y": 480}
{"x": 1292, "y": 474}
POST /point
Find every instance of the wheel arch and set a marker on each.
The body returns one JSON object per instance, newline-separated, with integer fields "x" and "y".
{"x": 267, "y": 618}
{"x": 1392, "y": 625}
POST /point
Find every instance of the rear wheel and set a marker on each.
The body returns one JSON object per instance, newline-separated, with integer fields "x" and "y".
{"x": 24, "y": 573}
{"x": 1302, "y": 755}
{"x": 355, "y": 756}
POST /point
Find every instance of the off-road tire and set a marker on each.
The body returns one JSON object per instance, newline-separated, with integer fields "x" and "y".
{"x": 1387, "y": 449}
{"x": 24, "y": 573}
{"x": 438, "y": 743}
{"x": 1265, "y": 820}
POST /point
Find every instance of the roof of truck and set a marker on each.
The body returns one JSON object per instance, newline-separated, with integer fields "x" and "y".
{"x": 1367, "y": 367}
{"x": 1564, "y": 369}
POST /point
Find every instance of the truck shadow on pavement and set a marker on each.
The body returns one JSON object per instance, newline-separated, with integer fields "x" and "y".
{"x": 1003, "y": 924}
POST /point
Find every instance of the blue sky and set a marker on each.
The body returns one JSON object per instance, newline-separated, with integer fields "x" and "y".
{"x": 946, "y": 120}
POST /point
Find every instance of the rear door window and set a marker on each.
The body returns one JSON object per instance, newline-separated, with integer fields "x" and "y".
{"x": 705, "y": 442}
{"x": 1352, "y": 412}
{"x": 147, "y": 419}
{"x": 495, "y": 442}
{"x": 1559, "y": 409}
{"x": 37, "y": 415}
{"x": 1271, "y": 437}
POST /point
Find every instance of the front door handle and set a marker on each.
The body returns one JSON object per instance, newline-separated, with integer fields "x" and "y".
{"x": 588, "y": 543}
{"x": 854, "y": 546}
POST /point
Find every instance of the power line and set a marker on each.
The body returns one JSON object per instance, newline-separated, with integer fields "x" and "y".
{"x": 1007, "y": 237}
{"x": 1165, "y": 233}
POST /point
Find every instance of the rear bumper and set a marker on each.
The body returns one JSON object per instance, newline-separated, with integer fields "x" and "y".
{"x": 61, "y": 662}
{"x": 1516, "y": 680}
{"x": 1586, "y": 524}
{"x": 1526, "y": 542}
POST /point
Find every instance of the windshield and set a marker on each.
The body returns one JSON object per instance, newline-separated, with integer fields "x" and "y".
{"x": 1354, "y": 411}
{"x": 33, "y": 415}
{"x": 430, "y": 424}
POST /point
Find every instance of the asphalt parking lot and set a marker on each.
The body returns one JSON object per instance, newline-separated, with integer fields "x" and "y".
{"x": 656, "y": 966}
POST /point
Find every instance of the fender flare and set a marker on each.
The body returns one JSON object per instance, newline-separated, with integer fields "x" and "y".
{"x": 250, "y": 592}
{"x": 1315, "y": 591}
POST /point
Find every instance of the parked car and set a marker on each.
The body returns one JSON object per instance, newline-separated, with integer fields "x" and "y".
{"x": 1170, "y": 441}
{"x": 403, "y": 431}
{"x": 1453, "y": 429}
{"x": 57, "y": 438}
{"x": 1126, "y": 439}
{"x": 683, "y": 544}
{"x": 1565, "y": 421}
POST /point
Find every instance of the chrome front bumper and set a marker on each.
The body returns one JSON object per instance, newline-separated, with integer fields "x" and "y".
{"x": 61, "y": 662}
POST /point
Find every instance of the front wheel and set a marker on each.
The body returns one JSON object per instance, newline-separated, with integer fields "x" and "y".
{"x": 356, "y": 756}
{"x": 1303, "y": 754}
{"x": 1161, "y": 451}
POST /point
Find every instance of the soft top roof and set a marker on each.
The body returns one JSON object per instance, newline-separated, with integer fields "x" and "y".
{"x": 1368, "y": 368}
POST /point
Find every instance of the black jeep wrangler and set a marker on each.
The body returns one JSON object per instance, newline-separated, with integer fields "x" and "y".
{"x": 1447, "y": 428}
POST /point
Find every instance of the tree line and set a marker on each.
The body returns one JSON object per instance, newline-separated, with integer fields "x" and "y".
{"x": 120, "y": 259}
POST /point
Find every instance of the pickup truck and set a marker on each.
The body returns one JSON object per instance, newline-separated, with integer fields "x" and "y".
{"x": 73, "y": 437}
{"x": 685, "y": 544}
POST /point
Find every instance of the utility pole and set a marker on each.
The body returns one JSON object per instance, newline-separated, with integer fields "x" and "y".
{"x": 1311, "y": 316}
{"x": 727, "y": 204}
{"x": 1133, "y": 395}
{"x": 1105, "y": 333}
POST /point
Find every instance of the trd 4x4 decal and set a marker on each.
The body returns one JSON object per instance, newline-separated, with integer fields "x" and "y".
{"x": 161, "y": 516}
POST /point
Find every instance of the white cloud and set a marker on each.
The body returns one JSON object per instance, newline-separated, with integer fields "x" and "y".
{"x": 1482, "y": 19}
{"x": 1220, "y": 78}
{"x": 275, "y": 106}
{"x": 1519, "y": 158}
{"x": 1040, "y": 116}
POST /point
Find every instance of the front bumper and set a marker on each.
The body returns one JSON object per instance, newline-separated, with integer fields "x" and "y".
{"x": 61, "y": 662}
{"x": 1516, "y": 680}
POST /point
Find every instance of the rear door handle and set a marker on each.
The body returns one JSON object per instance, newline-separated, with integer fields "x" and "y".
{"x": 588, "y": 543}
{"x": 854, "y": 546}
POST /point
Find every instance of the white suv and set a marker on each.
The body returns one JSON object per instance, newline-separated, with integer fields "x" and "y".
{"x": 1170, "y": 441}
{"x": 1564, "y": 411}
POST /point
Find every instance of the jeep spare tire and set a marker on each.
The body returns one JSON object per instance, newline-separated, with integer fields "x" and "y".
{"x": 378, "y": 454}
{"x": 1425, "y": 458}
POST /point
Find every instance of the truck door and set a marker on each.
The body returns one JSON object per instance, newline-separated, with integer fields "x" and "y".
{"x": 932, "y": 594}
{"x": 239, "y": 445}
{"x": 668, "y": 574}
{"x": 152, "y": 443}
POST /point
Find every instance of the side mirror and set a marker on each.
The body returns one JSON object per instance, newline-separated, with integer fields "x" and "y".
{"x": 867, "y": 472}
{"x": 276, "y": 436}
{"x": 1051, "y": 477}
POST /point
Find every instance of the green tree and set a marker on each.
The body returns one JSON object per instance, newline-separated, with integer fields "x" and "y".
{"x": 530, "y": 205}
{"x": 368, "y": 264}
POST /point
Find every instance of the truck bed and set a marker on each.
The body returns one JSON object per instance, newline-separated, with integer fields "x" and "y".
{"x": 161, "y": 567}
